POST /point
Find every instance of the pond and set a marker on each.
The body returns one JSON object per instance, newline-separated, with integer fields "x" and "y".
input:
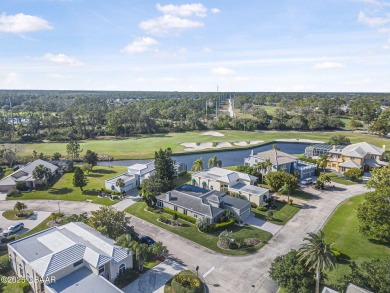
{"x": 228, "y": 157}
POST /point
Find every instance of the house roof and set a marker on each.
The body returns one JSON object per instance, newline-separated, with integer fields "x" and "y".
{"x": 360, "y": 150}
{"x": 83, "y": 280}
{"x": 276, "y": 156}
{"x": 350, "y": 164}
{"x": 125, "y": 176}
{"x": 224, "y": 175}
{"x": 356, "y": 289}
{"x": 199, "y": 200}
{"x": 25, "y": 173}
{"x": 142, "y": 168}
{"x": 253, "y": 190}
{"x": 328, "y": 290}
{"x": 58, "y": 247}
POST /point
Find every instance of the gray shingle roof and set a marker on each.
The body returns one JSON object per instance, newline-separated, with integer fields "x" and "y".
{"x": 274, "y": 155}
{"x": 360, "y": 150}
{"x": 350, "y": 164}
{"x": 255, "y": 190}
{"x": 224, "y": 175}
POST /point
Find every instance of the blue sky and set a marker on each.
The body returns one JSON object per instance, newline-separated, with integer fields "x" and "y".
{"x": 251, "y": 45}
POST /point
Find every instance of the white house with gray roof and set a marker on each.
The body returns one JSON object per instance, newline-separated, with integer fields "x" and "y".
{"x": 226, "y": 180}
{"x": 69, "y": 258}
{"x": 25, "y": 174}
{"x": 197, "y": 202}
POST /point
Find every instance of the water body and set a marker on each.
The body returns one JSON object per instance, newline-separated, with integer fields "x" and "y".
{"x": 228, "y": 158}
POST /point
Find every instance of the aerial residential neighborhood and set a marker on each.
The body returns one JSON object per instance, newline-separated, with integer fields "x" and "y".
{"x": 195, "y": 147}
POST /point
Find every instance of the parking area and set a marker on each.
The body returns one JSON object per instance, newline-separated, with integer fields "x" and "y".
{"x": 29, "y": 224}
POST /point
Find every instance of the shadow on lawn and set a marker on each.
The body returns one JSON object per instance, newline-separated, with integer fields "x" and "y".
{"x": 101, "y": 171}
{"x": 379, "y": 242}
{"x": 60, "y": 191}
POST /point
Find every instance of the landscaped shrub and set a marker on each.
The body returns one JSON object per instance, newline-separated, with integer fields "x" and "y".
{"x": 224, "y": 225}
{"x": 336, "y": 251}
{"x": 203, "y": 226}
{"x": 186, "y": 282}
{"x": 14, "y": 192}
{"x": 7, "y": 239}
{"x": 174, "y": 216}
{"x": 270, "y": 215}
{"x": 253, "y": 205}
{"x": 262, "y": 208}
{"x": 126, "y": 277}
{"x": 163, "y": 219}
{"x": 182, "y": 173}
{"x": 4, "y": 264}
{"x": 180, "y": 215}
{"x": 21, "y": 186}
{"x": 290, "y": 201}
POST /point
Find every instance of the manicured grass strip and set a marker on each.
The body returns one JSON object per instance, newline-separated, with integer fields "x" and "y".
{"x": 301, "y": 195}
{"x": 145, "y": 146}
{"x": 42, "y": 226}
{"x": 63, "y": 189}
{"x": 11, "y": 215}
{"x": 342, "y": 229}
{"x": 335, "y": 178}
{"x": 191, "y": 232}
{"x": 185, "y": 179}
{"x": 282, "y": 213}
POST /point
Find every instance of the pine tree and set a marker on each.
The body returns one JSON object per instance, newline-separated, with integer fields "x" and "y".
{"x": 79, "y": 179}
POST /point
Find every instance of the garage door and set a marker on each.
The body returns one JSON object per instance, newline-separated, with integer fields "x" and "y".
{"x": 5, "y": 188}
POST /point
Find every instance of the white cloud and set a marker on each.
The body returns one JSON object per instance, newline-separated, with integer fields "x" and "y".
{"x": 166, "y": 23}
{"x": 61, "y": 59}
{"x": 373, "y": 21}
{"x": 215, "y": 10}
{"x": 22, "y": 23}
{"x": 207, "y": 50}
{"x": 376, "y": 2}
{"x": 185, "y": 10}
{"x": 223, "y": 71}
{"x": 384, "y": 30}
{"x": 328, "y": 65}
{"x": 140, "y": 45}
{"x": 10, "y": 78}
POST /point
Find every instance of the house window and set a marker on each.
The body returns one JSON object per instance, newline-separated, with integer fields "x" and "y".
{"x": 185, "y": 212}
{"x": 112, "y": 187}
{"x": 195, "y": 216}
{"x": 21, "y": 270}
{"x": 160, "y": 203}
{"x": 101, "y": 269}
{"x": 77, "y": 263}
{"x": 122, "y": 268}
{"x": 28, "y": 278}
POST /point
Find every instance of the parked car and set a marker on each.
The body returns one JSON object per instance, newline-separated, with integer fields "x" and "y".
{"x": 146, "y": 239}
{"x": 307, "y": 181}
{"x": 13, "y": 229}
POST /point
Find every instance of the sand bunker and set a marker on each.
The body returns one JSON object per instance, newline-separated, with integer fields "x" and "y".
{"x": 213, "y": 133}
{"x": 192, "y": 146}
{"x": 299, "y": 140}
{"x": 246, "y": 143}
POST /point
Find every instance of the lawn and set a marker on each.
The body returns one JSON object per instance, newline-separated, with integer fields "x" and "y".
{"x": 145, "y": 146}
{"x": 11, "y": 215}
{"x": 282, "y": 213}
{"x": 299, "y": 193}
{"x": 63, "y": 189}
{"x": 342, "y": 229}
{"x": 185, "y": 179}
{"x": 335, "y": 178}
{"x": 191, "y": 232}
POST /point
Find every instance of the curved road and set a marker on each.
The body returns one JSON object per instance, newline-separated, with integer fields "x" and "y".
{"x": 230, "y": 273}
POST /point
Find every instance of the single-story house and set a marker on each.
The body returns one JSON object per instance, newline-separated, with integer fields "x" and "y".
{"x": 25, "y": 174}
{"x": 226, "y": 180}
{"x": 64, "y": 165}
{"x": 281, "y": 161}
{"x": 69, "y": 258}
{"x": 201, "y": 203}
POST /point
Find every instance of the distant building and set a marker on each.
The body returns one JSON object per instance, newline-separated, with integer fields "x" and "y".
{"x": 317, "y": 150}
{"x": 197, "y": 202}
{"x": 69, "y": 258}
{"x": 25, "y": 174}
{"x": 282, "y": 161}
{"x": 227, "y": 180}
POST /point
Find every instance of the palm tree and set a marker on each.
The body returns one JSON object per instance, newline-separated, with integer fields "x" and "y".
{"x": 323, "y": 162}
{"x": 120, "y": 183}
{"x": 276, "y": 149}
{"x": 317, "y": 255}
{"x": 20, "y": 206}
{"x": 214, "y": 162}
{"x": 226, "y": 237}
{"x": 197, "y": 165}
{"x": 285, "y": 189}
{"x": 125, "y": 241}
{"x": 141, "y": 252}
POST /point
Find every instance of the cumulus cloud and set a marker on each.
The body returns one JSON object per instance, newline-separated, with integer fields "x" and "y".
{"x": 140, "y": 45}
{"x": 185, "y": 10}
{"x": 167, "y": 23}
{"x": 373, "y": 21}
{"x": 61, "y": 59}
{"x": 223, "y": 71}
{"x": 328, "y": 65}
{"x": 22, "y": 23}
{"x": 215, "y": 10}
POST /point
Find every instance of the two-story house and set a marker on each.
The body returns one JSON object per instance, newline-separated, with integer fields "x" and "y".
{"x": 360, "y": 155}
{"x": 69, "y": 258}
{"x": 227, "y": 180}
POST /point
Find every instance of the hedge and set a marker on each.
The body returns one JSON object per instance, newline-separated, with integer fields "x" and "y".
{"x": 224, "y": 225}
{"x": 4, "y": 264}
{"x": 187, "y": 282}
{"x": 180, "y": 215}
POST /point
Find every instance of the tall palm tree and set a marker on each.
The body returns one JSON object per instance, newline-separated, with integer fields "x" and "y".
{"x": 120, "y": 183}
{"x": 323, "y": 162}
{"x": 276, "y": 149}
{"x": 125, "y": 241}
{"x": 214, "y": 162}
{"x": 317, "y": 255}
{"x": 197, "y": 165}
{"x": 285, "y": 189}
{"x": 141, "y": 252}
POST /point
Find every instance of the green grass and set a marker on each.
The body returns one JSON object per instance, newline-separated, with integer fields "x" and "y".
{"x": 342, "y": 229}
{"x": 185, "y": 179}
{"x": 191, "y": 232}
{"x": 335, "y": 178}
{"x": 299, "y": 193}
{"x": 11, "y": 215}
{"x": 282, "y": 213}
{"x": 63, "y": 189}
{"x": 151, "y": 264}
{"x": 144, "y": 147}
{"x": 7, "y": 171}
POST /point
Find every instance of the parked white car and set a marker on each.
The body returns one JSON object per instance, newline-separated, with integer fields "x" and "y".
{"x": 307, "y": 181}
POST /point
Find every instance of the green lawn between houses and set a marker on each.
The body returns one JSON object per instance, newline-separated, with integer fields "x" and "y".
{"x": 63, "y": 189}
{"x": 282, "y": 213}
{"x": 145, "y": 146}
{"x": 191, "y": 232}
{"x": 342, "y": 230}
{"x": 334, "y": 177}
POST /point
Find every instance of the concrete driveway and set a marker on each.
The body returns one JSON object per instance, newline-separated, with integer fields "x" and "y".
{"x": 154, "y": 280}
{"x": 29, "y": 224}
{"x": 263, "y": 225}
